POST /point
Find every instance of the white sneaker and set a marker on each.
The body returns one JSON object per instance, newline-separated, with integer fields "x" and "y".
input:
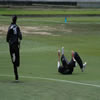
{"x": 84, "y": 65}
{"x": 75, "y": 63}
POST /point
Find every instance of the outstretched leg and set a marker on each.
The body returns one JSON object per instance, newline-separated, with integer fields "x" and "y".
{"x": 16, "y": 61}
{"x": 63, "y": 69}
{"x": 60, "y": 68}
{"x": 79, "y": 61}
{"x": 67, "y": 67}
{"x": 58, "y": 65}
{"x": 15, "y": 72}
{"x": 63, "y": 59}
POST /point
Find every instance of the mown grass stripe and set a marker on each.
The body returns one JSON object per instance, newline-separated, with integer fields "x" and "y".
{"x": 57, "y": 80}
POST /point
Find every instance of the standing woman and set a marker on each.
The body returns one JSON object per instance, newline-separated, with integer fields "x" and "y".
{"x": 14, "y": 37}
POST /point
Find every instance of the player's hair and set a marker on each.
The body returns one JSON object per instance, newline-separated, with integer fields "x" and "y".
{"x": 14, "y": 19}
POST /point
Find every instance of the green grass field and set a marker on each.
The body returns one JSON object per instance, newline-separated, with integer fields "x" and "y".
{"x": 39, "y": 79}
{"x": 42, "y": 11}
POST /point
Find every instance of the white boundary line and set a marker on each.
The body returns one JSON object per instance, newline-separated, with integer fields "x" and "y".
{"x": 57, "y": 80}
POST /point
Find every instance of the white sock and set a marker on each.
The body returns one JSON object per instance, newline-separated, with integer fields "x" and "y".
{"x": 58, "y": 64}
{"x": 75, "y": 63}
{"x": 62, "y": 50}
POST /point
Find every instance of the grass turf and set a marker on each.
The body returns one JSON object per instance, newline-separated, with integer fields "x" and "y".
{"x": 39, "y": 59}
{"x": 23, "y": 11}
